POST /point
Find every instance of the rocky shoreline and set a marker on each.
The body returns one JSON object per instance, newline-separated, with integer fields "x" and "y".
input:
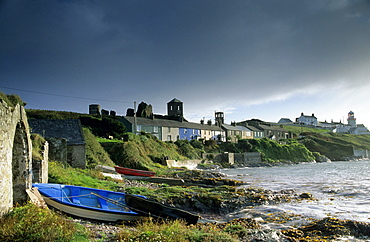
{"x": 239, "y": 209}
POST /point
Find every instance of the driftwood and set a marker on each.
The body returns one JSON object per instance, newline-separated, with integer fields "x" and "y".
{"x": 36, "y": 197}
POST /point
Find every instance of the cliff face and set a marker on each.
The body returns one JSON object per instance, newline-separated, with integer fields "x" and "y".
{"x": 15, "y": 155}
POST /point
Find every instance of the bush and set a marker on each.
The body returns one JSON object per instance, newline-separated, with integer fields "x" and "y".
{"x": 95, "y": 153}
{"x": 37, "y": 146}
{"x": 31, "y": 223}
{"x": 197, "y": 144}
{"x": 187, "y": 150}
{"x": 11, "y": 100}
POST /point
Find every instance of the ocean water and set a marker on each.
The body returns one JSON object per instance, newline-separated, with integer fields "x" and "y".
{"x": 342, "y": 188}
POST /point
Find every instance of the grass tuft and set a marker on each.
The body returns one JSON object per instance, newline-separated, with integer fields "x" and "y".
{"x": 172, "y": 231}
{"x": 31, "y": 223}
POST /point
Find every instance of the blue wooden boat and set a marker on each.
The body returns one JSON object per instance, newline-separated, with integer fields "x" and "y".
{"x": 87, "y": 203}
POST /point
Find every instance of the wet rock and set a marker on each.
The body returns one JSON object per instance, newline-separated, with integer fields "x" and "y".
{"x": 330, "y": 228}
{"x": 198, "y": 174}
{"x": 322, "y": 158}
{"x": 306, "y": 195}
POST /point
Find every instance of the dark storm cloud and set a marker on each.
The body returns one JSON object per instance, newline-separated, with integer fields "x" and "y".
{"x": 240, "y": 51}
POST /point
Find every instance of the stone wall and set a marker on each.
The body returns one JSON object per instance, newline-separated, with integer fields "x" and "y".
{"x": 40, "y": 168}
{"x": 360, "y": 153}
{"x": 57, "y": 149}
{"x": 15, "y": 156}
{"x": 231, "y": 158}
{"x": 248, "y": 157}
{"x": 76, "y": 156}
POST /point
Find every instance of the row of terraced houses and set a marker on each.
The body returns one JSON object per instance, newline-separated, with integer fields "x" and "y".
{"x": 174, "y": 126}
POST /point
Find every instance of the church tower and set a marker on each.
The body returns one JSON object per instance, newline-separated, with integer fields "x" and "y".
{"x": 219, "y": 118}
{"x": 351, "y": 119}
{"x": 175, "y": 108}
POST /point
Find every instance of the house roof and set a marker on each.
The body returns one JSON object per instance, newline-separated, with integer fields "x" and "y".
{"x": 285, "y": 120}
{"x": 254, "y": 129}
{"x": 243, "y": 128}
{"x": 69, "y": 129}
{"x": 230, "y": 127}
{"x": 169, "y": 123}
{"x": 175, "y": 100}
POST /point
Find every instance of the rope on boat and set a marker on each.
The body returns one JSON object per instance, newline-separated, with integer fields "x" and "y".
{"x": 68, "y": 197}
{"x": 111, "y": 200}
{"x": 123, "y": 205}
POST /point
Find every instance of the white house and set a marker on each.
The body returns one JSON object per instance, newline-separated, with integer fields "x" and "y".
{"x": 307, "y": 120}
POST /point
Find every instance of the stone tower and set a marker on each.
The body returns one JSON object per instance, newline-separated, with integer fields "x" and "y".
{"x": 94, "y": 109}
{"x": 175, "y": 108}
{"x": 219, "y": 118}
{"x": 351, "y": 119}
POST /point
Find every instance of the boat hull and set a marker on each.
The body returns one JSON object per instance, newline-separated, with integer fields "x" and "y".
{"x": 133, "y": 172}
{"x": 156, "y": 209}
{"x": 90, "y": 213}
{"x": 87, "y": 203}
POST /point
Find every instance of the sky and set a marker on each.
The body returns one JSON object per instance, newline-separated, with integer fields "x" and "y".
{"x": 265, "y": 59}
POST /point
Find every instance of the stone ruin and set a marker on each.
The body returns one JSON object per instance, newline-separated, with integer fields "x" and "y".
{"x": 16, "y": 163}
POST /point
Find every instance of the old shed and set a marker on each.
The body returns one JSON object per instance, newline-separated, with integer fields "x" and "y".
{"x": 65, "y": 137}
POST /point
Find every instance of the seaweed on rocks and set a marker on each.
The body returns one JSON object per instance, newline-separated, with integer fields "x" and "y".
{"x": 329, "y": 229}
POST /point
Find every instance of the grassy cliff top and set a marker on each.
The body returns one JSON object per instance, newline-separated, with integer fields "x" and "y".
{"x": 11, "y": 100}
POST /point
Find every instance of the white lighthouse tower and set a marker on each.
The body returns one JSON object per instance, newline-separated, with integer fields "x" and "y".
{"x": 351, "y": 119}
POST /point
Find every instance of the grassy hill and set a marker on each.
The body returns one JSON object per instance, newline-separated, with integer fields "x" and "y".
{"x": 297, "y": 130}
{"x": 142, "y": 151}
{"x": 272, "y": 151}
{"x": 147, "y": 152}
{"x": 335, "y": 146}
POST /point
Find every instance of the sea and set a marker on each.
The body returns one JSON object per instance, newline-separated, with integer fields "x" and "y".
{"x": 342, "y": 188}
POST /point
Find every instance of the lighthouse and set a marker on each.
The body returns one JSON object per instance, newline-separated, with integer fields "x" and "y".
{"x": 351, "y": 119}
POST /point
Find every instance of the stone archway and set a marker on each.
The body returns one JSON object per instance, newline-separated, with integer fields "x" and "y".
{"x": 20, "y": 164}
{"x": 15, "y": 156}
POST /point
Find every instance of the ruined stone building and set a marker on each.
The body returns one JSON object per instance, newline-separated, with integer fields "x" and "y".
{"x": 65, "y": 137}
{"x": 15, "y": 156}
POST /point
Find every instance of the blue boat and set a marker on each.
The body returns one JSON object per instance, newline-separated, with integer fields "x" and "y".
{"x": 87, "y": 203}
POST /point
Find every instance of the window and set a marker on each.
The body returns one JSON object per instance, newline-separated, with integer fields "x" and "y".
{"x": 185, "y": 131}
{"x": 155, "y": 129}
{"x": 169, "y": 129}
{"x": 168, "y": 137}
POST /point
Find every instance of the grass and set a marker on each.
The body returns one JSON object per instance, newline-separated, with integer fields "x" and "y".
{"x": 335, "y": 146}
{"x": 297, "y": 130}
{"x": 37, "y": 146}
{"x": 11, "y": 100}
{"x": 273, "y": 151}
{"x": 142, "y": 152}
{"x": 95, "y": 153}
{"x": 173, "y": 231}
{"x": 31, "y": 223}
{"x": 64, "y": 174}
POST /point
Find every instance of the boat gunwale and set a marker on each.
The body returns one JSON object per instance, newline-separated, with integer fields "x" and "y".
{"x": 133, "y": 171}
{"x": 103, "y": 210}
